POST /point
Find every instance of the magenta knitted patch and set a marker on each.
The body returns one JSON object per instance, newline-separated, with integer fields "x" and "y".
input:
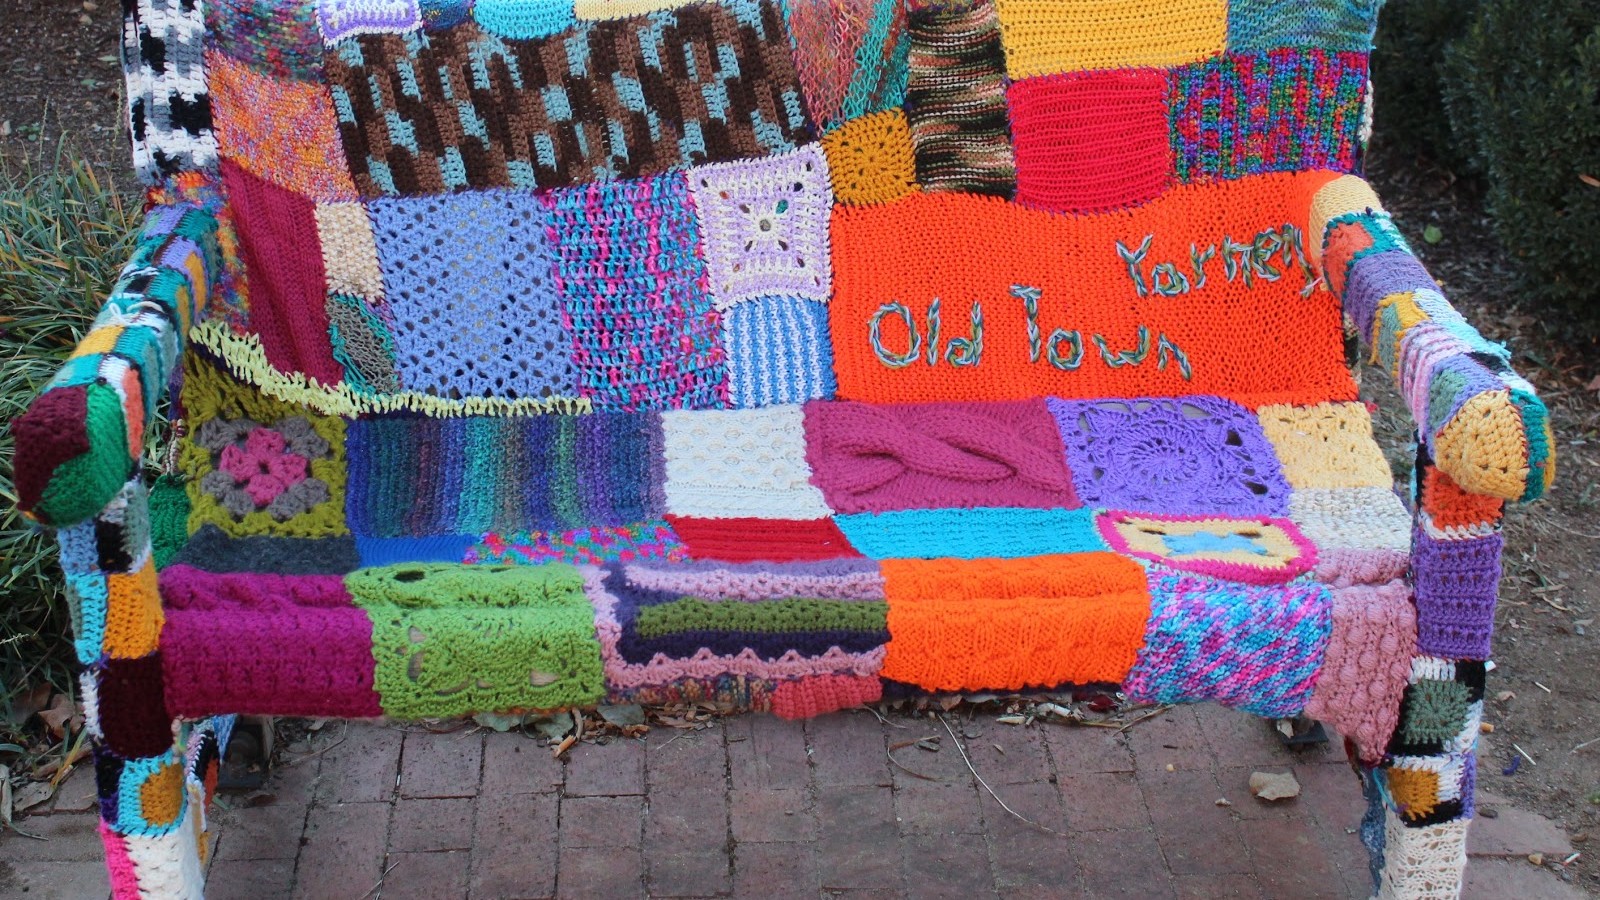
{"x": 287, "y": 645}
{"x": 872, "y": 458}
{"x": 1365, "y": 668}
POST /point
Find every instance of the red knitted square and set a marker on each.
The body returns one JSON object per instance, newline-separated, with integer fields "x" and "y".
{"x": 1091, "y": 141}
{"x": 761, "y": 540}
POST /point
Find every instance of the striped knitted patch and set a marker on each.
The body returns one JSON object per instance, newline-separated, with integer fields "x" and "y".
{"x": 778, "y": 352}
{"x": 957, "y": 102}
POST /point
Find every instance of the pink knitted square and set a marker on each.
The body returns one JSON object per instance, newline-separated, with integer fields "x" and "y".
{"x": 1366, "y": 665}
{"x": 876, "y": 458}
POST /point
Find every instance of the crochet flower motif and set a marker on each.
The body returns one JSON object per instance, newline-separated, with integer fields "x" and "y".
{"x": 261, "y": 467}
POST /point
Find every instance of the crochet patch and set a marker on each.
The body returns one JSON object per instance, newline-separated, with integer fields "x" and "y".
{"x": 563, "y": 119}
{"x": 870, "y": 159}
{"x": 349, "y": 251}
{"x": 340, "y": 19}
{"x": 451, "y": 640}
{"x": 274, "y": 37}
{"x": 849, "y": 56}
{"x": 1191, "y": 652}
{"x": 652, "y": 540}
{"x": 739, "y": 464}
{"x": 1127, "y": 304}
{"x": 1201, "y": 455}
{"x": 765, "y": 227}
{"x": 289, "y": 645}
{"x": 778, "y": 352}
{"x": 1261, "y": 25}
{"x": 1014, "y": 624}
{"x": 169, "y": 109}
{"x": 498, "y": 331}
{"x": 1366, "y": 664}
{"x": 956, "y": 100}
{"x": 256, "y": 465}
{"x": 1044, "y": 37}
{"x": 1091, "y": 141}
{"x": 868, "y": 458}
{"x": 416, "y": 476}
{"x": 628, "y": 270}
{"x": 1254, "y": 551}
{"x": 1457, "y": 584}
{"x": 1308, "y": 116}
{"x": 974, "y": 533}
{"x": 284, "y": 131}
{"x": 1328, "y": 445}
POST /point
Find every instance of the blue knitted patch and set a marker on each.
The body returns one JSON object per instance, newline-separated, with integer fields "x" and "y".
{"x": 778, "y": 352}
{"x": 971, "y": 533}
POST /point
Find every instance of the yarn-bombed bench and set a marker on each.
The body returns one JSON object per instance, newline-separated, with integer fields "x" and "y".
{"x": 785, "y": 354}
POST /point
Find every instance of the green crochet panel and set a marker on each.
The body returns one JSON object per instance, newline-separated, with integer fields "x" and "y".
{"x": 169, "y": 519}
{"x": 694, "y": 614}
{"x": 454, "y": 640}
{"x": 1435, "y": 711}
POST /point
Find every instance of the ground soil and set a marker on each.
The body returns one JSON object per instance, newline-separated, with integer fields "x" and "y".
{"x": 59, "y": 76}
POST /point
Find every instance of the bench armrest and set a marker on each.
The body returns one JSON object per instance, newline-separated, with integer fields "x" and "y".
{"x": 1481, "y": 423}
{"x": 79, "y": 442}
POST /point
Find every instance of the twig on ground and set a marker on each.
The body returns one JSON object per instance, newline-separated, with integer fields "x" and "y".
{"x": 902, "y": 766}
{"x": 379, "y": 884}
{"x": 1524, "y": 754}
{"x": 1585, "y": 744}
{"x": 964, "y": 758}
{"x": 1149, "y": 715}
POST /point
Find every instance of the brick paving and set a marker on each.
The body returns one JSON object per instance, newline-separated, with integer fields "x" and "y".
{"x": 757, "y": 807}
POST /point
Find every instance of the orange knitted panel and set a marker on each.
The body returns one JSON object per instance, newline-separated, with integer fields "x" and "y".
{"x": 1203, "y": 290}
{"x": 133, "y": 613}
{"x": 1451, "y": 507}
{"x": 963, "y": 625}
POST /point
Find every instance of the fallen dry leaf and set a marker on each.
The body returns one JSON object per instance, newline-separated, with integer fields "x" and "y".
{"x": 32, "y": 794}
{"x": 1590, "y": 180}
{"x": 58, "y": 715}
{"x": 1271, "y": 786}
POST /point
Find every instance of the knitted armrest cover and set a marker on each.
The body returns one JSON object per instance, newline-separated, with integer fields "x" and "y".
{"x": 80, "y": 440}
{"x": 1482, "y": 423}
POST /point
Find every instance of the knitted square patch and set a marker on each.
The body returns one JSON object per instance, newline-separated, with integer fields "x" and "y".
{"x": 1457, "y": 584}
{"x": 956, "y": 100}
{"x": 849, "y": 55}
{"x": 1362, "y": 535}
{"x": 679, "y": 627}
{"x": 1365, "y": 668}
{"x": 762, "y": 540}
{"x": 1453, "y": 513}
{"x": 363, "y": 344}
{"x": 778, "y": 351}
{"x": 651, "y": 540}
{"x": 1044, "y": 37}
{"x": 1192, "y": 653}
{"x": 421, "y": 475}
{"x": 1091, "y": 141}
{"x": 1262, "y": 550}
{"x": 349, "y": 252}
{"x": 284, "y": 131}
{"x": 522, "y": 20}
{"x": 870, "y": 159}
{"x": 461, "y": 107}
{"x": 1287, "y": 110}
{"x": 497, "y": 330}
{"x": 1261, "y": 25}
{"x": 256, "y": 465}
{"x": 739, "y": 463}
{"x": 274, "y": 37}
{"x": 629, "y": 271}
{"x": 169, "y": 109}
{"x": 340, "y": 19}
{"x": 958, "y": 625}
{"x": 290, "y": 645}
{"x": 874, "y": 458}
{"x": 283, "y": 262}
{"x": 1329, "y": 445}
{"x": 765, "y": 227}
{"x": 1195, "y": 454}
{"x": 974, "y": 533}
{"x": 452, "y": 640}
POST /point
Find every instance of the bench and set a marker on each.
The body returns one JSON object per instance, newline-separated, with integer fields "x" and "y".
{"x": 776, "y": 354}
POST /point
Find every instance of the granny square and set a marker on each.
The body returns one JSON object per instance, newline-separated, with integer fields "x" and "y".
{"x": 765, "y": 223}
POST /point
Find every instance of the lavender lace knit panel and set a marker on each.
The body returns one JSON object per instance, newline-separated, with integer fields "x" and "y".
{"x": 1195, "y": 454}
{"x": 469, "y": 283}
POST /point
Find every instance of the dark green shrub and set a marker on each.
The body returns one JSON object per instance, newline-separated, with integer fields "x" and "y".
{"x": 64, "y": 234}
{"x": 1523, "y": 90}
{"x": 1408, "y": 109}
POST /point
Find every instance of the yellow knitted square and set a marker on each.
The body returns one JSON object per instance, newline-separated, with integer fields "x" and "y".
{"x": 100, "y": 340}
{"x": 870, "y": 159}
{"x": 1044, "y": 37}
{"x": 133, "y": 613}
{"x": 349, "y": 253}
{"x": 1329, "y": 445}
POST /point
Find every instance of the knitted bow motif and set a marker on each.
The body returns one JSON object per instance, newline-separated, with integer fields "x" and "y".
{"x": 943, "y": 443}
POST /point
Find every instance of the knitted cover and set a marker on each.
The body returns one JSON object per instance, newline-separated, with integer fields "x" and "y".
{"x": 535, "y": 354}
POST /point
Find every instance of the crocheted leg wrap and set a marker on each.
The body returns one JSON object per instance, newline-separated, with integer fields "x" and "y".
{"x": 152, "y": 788}
{"x": 1427, "y": 779}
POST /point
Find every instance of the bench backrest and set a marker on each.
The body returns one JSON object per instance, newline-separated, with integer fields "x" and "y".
{"x": 487, "y": 213}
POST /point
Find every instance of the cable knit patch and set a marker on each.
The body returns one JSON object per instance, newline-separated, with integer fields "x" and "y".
{"x": 870, "y": 458}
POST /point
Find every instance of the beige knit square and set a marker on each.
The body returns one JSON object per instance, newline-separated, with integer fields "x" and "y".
{"x": 349, "y": 255}
{"x": 617, "y": 9}
{"x": 1329, "y": 445}
{"x": 1044, "y": 37}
